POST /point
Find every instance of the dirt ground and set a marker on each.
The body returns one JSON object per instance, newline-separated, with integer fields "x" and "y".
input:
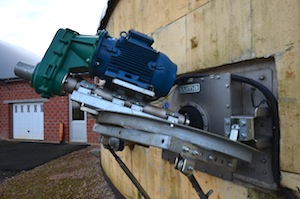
{"x": 76, "y": 175}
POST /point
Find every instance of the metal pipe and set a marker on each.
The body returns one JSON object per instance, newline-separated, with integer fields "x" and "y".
{"x": 24, "y": 71}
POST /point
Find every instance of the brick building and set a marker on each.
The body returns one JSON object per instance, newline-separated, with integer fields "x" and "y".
{"x": 26, "y": 115}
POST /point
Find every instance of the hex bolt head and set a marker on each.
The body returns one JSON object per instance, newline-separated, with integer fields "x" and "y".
{"x": 244, "y": 135}
{"x": 195, "y": 152}
{"x": 229, "y": 164}
{"x": 243, "y": 123}
{"x": 210, "y": 157}
{"x": 185, "y": 148}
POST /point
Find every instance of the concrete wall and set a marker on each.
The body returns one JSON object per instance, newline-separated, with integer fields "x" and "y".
{"x": 202, "y": 34}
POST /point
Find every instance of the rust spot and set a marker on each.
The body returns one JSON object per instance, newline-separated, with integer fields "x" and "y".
{"x": 194, "y": 42}
{"x": 289, "y": 73}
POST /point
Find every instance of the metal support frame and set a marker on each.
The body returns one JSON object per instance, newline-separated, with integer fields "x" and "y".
{"x": 176, "y": 138}
{"x": 130, "y": 127}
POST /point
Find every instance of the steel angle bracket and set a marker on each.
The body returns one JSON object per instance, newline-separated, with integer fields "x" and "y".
{"x": 167, "y": 142}
{"x": 174, "y": 137}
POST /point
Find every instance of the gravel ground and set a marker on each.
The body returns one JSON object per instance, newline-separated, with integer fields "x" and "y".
{"x": 76, "y": 175}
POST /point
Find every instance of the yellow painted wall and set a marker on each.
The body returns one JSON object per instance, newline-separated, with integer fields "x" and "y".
{"x": 201, "y": 34}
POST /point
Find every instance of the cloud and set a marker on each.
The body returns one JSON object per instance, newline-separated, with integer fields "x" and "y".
{"x": 31, "y": 24}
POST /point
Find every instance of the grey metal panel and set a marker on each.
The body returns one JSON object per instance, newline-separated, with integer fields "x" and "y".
{"x": 214, "y": 98}
{"x": 10, "y": 55}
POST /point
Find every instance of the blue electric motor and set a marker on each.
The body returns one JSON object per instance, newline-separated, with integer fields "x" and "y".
{"x": 132, "y": 59}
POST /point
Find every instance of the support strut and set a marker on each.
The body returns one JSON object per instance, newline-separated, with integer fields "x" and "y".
{"x": 186, "y": 167}
{"x": 197, "y": 187}
{"x": 129, "y": 174}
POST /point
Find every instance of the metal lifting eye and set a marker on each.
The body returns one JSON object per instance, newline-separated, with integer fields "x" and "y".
{"x": 123, "y": 35}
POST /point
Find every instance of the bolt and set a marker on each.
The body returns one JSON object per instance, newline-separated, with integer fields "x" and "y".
{"x": 210, "y": 157}
{"x": 218, "y": 76}
{"x": 264, "y": 160}
{"x": 185, "y": 148}
{"x": 244, "y": 135}
{"x": 171, "y": 125}
{"x": 243, "y": 123}
{"x": 264, "y": 172}
{"x": 227, "y": 85}
{"x": 229, "y": 164}
{"x": 262, "y": 77}
{"x": 227, "y": 105}
{"x": 195, "y": 152}
{"x": 227, "y": 122}
{"x": 190, "y": 168}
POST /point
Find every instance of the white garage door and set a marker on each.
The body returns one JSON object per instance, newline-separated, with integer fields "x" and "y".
{"x": 28, "y": 121}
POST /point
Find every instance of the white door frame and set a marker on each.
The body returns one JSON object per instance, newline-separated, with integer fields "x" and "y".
{"x": 28, "y": 120}
{"x": 78, "y": 128}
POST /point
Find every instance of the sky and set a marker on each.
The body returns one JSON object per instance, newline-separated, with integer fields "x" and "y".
{"x": 32, "y": 24}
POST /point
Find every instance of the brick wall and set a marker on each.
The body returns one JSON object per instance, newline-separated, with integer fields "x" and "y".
{"x": 91, "y": 136}
{"x": 56, "y": 111}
